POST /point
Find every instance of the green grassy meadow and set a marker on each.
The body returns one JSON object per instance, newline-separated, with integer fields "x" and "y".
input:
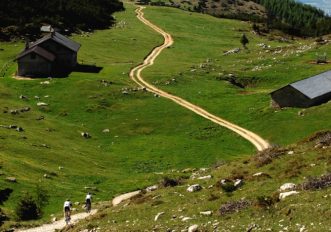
{"x": 147, "y": 134}
{"x": 200, "y": 41}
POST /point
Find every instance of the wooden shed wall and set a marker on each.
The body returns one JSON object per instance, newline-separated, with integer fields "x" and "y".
{"x": 37, "y": 66}
{"x": 290, "y": 97}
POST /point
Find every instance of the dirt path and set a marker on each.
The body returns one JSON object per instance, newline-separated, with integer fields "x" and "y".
{"x": 59, "y": 224}
{"x": 136, "y": 76}
{"x": 117, "y": 200}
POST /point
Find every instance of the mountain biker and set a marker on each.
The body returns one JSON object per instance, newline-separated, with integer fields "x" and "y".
{"x": 88, "y": 202}
{"x": 67, "y": 209}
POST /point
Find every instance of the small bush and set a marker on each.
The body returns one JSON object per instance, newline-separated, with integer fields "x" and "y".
{"x": 264, "y": 202}
{"x": 234, "y": 206}
{"x": 228, "y": 187}
{"x": 4, "y": 195}
{"x": 168, "y": 182}
{"x": 27, "y": 208}
{"x": 266, "y": 157}
{"x": 3, "y": 217}
{"x": 317, "y": 183}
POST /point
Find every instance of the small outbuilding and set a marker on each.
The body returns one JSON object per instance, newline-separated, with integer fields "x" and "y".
{"x": 309, "y": 92}
{"x": 52, "y": 55}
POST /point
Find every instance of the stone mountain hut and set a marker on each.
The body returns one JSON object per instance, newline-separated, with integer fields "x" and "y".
{"x": 52, "y": 55}
{"x": 309, "y": 92}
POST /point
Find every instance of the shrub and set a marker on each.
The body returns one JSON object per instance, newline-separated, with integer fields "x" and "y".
{"x": 3, "y": 217}
{"x": 168, "y": 182}
{"x": 234, "y": 206}
{"x": 27, "y": 208}
{"x": 265, "y": 157}
{"x": 228, "y": 187}
{"x": 264, "y": 202}
{"x": 317, "y": 183}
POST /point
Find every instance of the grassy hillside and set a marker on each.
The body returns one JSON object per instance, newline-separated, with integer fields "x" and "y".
{"x": 201, "y": 68}
{"x": 254, "y": 206}
{"x": 240, "y": 9}
{"x": 148, "y": 135}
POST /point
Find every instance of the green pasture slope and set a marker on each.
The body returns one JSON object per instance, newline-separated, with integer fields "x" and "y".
{"x": 147, "y": 134}
{"x": 200, "y": 38}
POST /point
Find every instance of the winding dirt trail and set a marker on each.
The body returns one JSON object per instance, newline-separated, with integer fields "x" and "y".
{"x": 136, "y": 76}
{"x": 58, "y": 225}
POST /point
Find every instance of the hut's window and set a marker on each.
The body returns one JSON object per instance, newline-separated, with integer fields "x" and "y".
{"x": 33, "y": 56}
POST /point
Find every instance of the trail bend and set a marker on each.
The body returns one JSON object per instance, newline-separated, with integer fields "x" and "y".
{"x": 136, "y": 76}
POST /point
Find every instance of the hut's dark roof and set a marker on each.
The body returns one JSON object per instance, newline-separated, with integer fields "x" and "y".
{"x": 315, "y": 86}
{"x": 38, "y": 50}
{"x": 61, "y": 39}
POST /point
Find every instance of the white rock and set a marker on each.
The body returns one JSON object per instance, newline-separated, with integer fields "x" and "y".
{"x": 193, "y": 228}
{"x": 287, "y": 186}
{"x": 303, "y": 229}
{"x": 45, "y": 83}
{"x": 186, "y": 219}
{"x": 238, "y": 183}
{"x": 158, "y": 215}
{"x": 290, "y": 152}
{"x": 54, "y": 219}
{"x": 287, "y": 194}
{"x": 206, "y": 213}
{"x": 205, "y": 177}
{"x": 42, "y": 104}
{"x": 106, "y": 131}
{"x": 194, "y": 188}
{"x": 152, "y": 188}
{"x": 258, "y": 174}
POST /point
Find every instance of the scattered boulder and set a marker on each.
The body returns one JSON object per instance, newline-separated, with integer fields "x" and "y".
{"x": 158, "y": 216}
{"x": 54, "y": 219}
{"x": 106, "y": 131}
{"x": 193, "y": 228}
{"x": 11, "y": 179}
{"x": 14, "y": 112}
{"x": 184, "y": 219}
{"x": 238, "y": 183}
{"x": 205, "y": 177}
{"x": 152, "y": 188}
{"x": 194, "y": 188}
{"x": 46, "y": 176}
{"x": 261, "y": 174}
{"x": 45, "y": 82}
{"x": 85, "y": 135}
{"x": 23, "y": 97}
{"x": 187, "y": 170}
{"x": 206, "y": 213}
{"x": 42, "y": 104}
{"x": 287, "y": 194}
{"x": 287, "y": 186}
{"x": 19, "y": 129}
{"x": 25, "y": 109}
{"x": 232, "y": 51}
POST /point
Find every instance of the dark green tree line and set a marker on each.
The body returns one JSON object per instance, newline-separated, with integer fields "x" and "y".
{"x": 296, "y": 18}
{"x": 26, "y": 16}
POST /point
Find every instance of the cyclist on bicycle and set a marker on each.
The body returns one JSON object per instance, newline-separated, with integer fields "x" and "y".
{"x": 88, "y": 202}
{"x": 67, "y": 210}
